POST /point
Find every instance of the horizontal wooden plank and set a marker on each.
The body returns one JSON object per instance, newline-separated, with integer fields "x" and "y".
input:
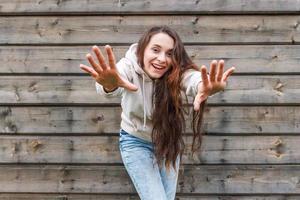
{"x": 78, "y": 89}
{"x": 36, "y": 196}
{"x": 209, "y": 179}
{"x": 143, "y": 6}
{"x": 66, "y": 59}
{"x": 127, "y": 29}
{"x": 99, "y": 120}
{"x": 105, "y": 149}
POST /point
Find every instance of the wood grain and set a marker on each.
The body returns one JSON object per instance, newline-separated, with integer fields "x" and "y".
{"x": 105, "y": 150}
{"x": 209, "y": 179}
{"x": 179, "y": 196}
{"x": 221, "y": 29}
{"x": 102, "y": 120}
{"x": 78, "y": 90}
{"x": 259, "y": 59}
{"x": 143, "y": 6}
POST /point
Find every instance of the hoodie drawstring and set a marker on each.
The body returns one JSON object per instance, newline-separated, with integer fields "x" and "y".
{"x": 144, "y": 102}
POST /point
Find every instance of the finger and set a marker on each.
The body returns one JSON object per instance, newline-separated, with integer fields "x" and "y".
{"x": 220, "y": 70}
{"x": 100, "y": 57}
{"x": 212, "y": 74}
{"x": 111, "y": 57}
{"x": 228, "y": 73}
{"x": 128, "y": 85}
{"x": 91, "y": 60}
{"x": 89, "y": 70}
{"x": 204, "y": 77}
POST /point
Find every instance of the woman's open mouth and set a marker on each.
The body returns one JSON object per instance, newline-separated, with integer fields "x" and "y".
{"x": 158, "y": 67}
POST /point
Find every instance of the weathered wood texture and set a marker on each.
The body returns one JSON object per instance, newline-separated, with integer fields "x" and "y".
{"x": 60, "y": 139}
{"x": 105, "y": 149}
{"x": 37, "y": 196}
{"x": 72, "y": 89}
{"x": 127, "y": 29}
{"x": 143, "y": 6}
{"x": 208, "y": 179}
{"x": 100, "y": 120}
{"x": 66, "y": 59}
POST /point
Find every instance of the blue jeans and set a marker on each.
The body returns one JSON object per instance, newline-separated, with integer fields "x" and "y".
{"x": 150, "y": 182}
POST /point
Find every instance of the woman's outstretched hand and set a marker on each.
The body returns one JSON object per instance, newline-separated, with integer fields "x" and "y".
{"x": 105, "y": 73}
{"x": 212, "y": 83}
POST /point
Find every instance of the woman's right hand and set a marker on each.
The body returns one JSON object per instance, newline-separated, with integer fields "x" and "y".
{"x": 104, "y": 73}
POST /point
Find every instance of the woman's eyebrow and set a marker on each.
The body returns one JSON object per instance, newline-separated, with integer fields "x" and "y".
{"x": 157, "y": 45}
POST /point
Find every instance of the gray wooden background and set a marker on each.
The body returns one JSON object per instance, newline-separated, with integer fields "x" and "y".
{"x": 59, "y": 140}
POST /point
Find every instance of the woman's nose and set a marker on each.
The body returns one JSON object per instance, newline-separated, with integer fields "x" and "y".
{"x": 162, "y": 57}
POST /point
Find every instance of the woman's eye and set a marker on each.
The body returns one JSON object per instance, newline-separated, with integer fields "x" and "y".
{"x": 169, "y": 54}
{"x": 155, "y": 50}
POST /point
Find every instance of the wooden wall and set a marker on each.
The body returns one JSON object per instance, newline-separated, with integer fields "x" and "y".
{"x": 59, "y": 140}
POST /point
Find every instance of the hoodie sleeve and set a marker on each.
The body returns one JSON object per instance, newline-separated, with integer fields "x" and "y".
{"x": 124, "y": 69}
{"x": 190, "y": 81}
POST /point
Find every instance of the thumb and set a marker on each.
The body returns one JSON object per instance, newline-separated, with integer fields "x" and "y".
{"x": 198, "y": 100}
{"x": 128, "y": 85}
{"x": 197, "y": 103}
{"x": 89, "y": 70}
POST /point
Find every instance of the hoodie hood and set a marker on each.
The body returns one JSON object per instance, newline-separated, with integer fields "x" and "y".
{"x": 131, "y": 56}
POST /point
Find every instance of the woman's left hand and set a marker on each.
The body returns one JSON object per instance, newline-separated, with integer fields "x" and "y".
{"x": 212, "y": 83}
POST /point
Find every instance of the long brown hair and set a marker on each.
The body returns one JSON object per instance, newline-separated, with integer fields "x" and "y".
{"x": 168, "y": 114}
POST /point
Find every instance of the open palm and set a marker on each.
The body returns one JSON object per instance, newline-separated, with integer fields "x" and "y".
{"x": 106, "y": 74}
{"x": 212, "y": 83}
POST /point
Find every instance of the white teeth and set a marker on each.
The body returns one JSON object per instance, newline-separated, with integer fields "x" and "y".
{"x": 157, "y": 67}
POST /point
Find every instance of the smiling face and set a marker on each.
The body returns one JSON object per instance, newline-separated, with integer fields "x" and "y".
{"x": 158, "y": 55}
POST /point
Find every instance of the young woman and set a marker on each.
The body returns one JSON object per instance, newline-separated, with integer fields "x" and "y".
{"x": 154, "y": 78}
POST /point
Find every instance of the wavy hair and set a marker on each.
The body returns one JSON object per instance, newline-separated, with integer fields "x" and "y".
{"x": 169, "y": 112}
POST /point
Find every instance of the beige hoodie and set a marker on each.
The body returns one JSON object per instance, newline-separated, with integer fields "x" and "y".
{"x": 137, "y": 106}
